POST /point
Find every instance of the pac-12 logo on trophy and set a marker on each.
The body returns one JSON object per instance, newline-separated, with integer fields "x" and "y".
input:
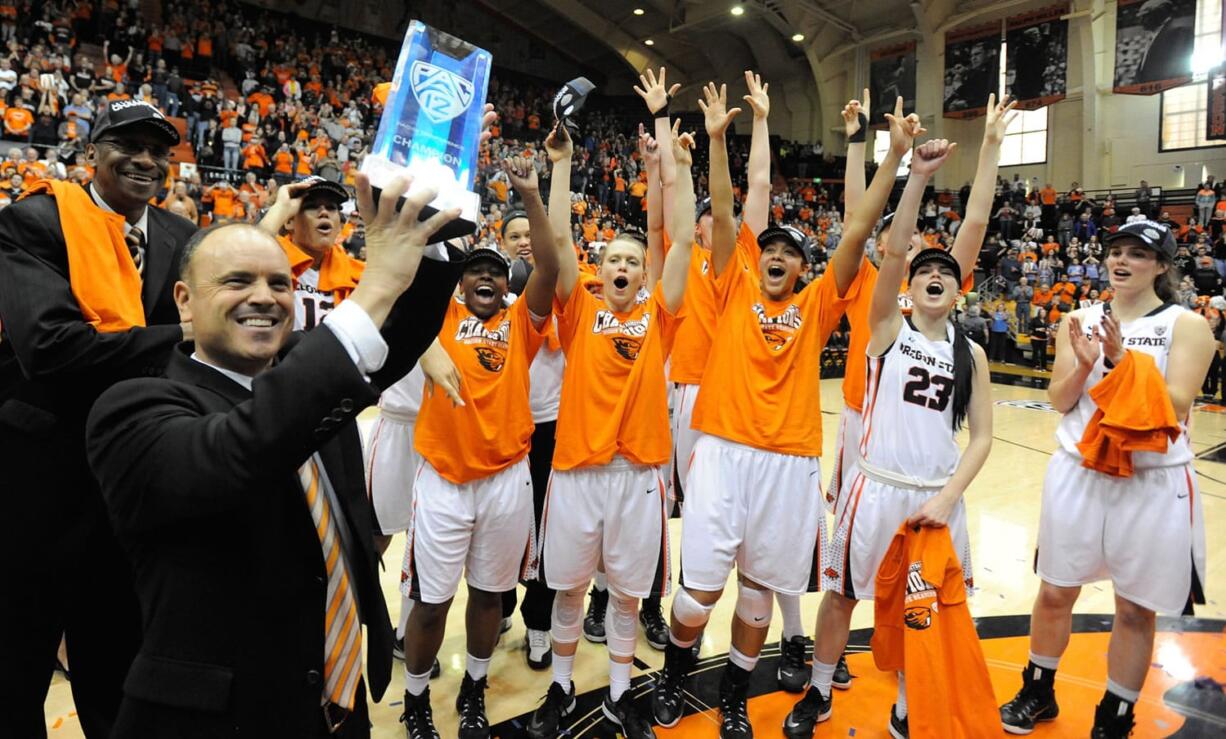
{"x": 443, "y": 95}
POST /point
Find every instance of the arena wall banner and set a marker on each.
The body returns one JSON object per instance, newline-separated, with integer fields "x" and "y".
{"x": 1036, "y": 63}
{"x": 1215, "y": 111}
{"x": 972, "y": 69}
{"x": 1153, "y": 45}
{"x": 891, "y": 73}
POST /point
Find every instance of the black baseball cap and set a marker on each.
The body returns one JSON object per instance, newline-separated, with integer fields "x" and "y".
{"x": 888, "y": 219}
{"x": 326, "y": 186}
{"x": 794, "y": 237}
{"x": 938, "y": 255}
{"x": 1150, "y": 233}
{"x": 704, "y": 207}
{"x": 118, "y": 114}
{"x": 485, "y": 253}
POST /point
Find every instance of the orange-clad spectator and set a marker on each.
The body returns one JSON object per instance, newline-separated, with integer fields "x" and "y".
{"x": 251, "y": 185}
{"x": 608, "y": 233}
{"x": 263, "y": 100}
{"x": 808, "y": 194}
{"x": 1047, "y": 196}
{"x": 119, "y": 93}
{"x": 534, "y": 122}
{"x": 306, "y": 163}
{"x": 1041, "y": 296}
{"x": 204, "y": 47}
{"x": 17, "y": 121}
{"x": 283, "y": 161}
{"x": 254, "y": 156}
{"x": 154, "y": 42}
{"x": 590, "y": 230}
{"x": 224, "y": 199}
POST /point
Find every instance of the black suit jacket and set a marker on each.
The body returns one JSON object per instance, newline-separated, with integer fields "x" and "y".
{"x": 53, "y": 366}
{"x": 200, "y": 478}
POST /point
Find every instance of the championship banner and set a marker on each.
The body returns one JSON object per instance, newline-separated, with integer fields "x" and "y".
{"x": 1153, "y": 45}
{"x": 891, "y": 73}
{"x": 1036, "y": 60}
{"x": 1215, "y": 111}
{"x": 972, "y": 69}
{"x": 431, "y": 124}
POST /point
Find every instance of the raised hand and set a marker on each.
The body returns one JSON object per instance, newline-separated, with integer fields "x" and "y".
{"x": 757, "y": 98}
{"x": 558, "y": 144}
{"x": 903, "y": 130}
{"x": 488, "y": 116}
{"x": 1112, "y": 338}
{"x": 396, "y": 242}
{"x": 285, "y": 207}
{"x": 997, "y": 121}
{"x": 851, "y": 111}
{"x": 522, "y": 173}
{"x": 715, "y": 109}
{"x": 655, "y": 91}
{"x": 930, "y": 155}
{"x": 649, "y": 150}
{"x": 1087, "y": 349}
{"x": 683, "y": 146}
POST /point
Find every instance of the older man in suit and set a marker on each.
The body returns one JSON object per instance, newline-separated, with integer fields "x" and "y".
{"x": 235, "y": 487}
{"x": 86, "y": 277}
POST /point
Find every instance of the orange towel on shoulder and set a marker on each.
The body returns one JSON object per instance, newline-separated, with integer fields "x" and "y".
{"x": 338, "y": 273}
{"x": 1134, "y": 415}
{"x": 101, "y": 272}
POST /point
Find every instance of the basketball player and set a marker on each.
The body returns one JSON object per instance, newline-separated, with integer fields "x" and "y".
{"x": 324, "y": 273}
{"x": 829, "y": 666}
{"x": 1140, "y": 531}
{"x": 473, "y": 498}
{"x": 607, "y": 497}
{"x": 759, "y": 411}
{"x": 925, "y": 380}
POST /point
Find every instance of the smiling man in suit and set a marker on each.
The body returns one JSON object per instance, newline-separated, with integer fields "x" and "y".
{"x": 86, "y": 278}
{"x": 235, "y": 485}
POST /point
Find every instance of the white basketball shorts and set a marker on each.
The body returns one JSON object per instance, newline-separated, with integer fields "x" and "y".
{"x": 759, "y": 510}
{"x": 391, "y": 466}
{"x": 482, "y": 527}
{"x": 845, "y": 457}
{"x": 1145, "y": 533}
{"x": 682, "y": 401}
{"x": 616, "y": 512}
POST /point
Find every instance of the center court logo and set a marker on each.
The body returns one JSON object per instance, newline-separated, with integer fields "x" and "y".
{"x": 443, "y": 94}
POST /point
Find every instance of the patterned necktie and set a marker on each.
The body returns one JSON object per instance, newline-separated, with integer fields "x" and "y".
{"x": 136, "y": 246}
{"x": 343, "y": 640}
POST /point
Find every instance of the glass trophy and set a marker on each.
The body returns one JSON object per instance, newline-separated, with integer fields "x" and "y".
{"x": 431, "y": 124}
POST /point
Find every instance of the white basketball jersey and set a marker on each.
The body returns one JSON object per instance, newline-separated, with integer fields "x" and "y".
{"x": 404, "y": 397}
{"x": 1150, "y": 334}
{"x": 310, "y": 305}
{"x": 908, "y": 407}
{"x": 545, "y": 374}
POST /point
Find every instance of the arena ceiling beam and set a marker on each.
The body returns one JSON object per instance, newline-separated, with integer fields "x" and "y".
{"x": 636, "y": 55}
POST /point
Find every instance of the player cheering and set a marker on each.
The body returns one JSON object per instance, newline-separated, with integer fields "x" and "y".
{"x": 473, "y": 500}
{"x": 1139, "y": 527}
{"x": 612, "y": 442}
{"x": 925, "y": 379}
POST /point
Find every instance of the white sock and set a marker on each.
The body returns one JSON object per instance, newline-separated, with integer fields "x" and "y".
{"x": 789, "y": 606}
{"x": 602, "y": 581}
{"x": 1047, "y": 663}
{"x": 477, "y": 668}
{"x": 1119, "y": 691}
{"x": 563, "y": 668}
{"x": 619, "y": 679}
{"x": 900, "y": 707}
{"x": 416, "y": 684}
{"x": 741, "y": 660}
{"x": 822, "y": 676}
{"x": 683, "y": 643}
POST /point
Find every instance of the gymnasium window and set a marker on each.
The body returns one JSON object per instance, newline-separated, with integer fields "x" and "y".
{"x": 1183, "y": 109}
{"x": 881, "y": 147}
{"x": 1026, "y": 138}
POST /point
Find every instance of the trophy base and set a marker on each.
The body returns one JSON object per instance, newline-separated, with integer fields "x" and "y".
{"x": 450, "y": 195}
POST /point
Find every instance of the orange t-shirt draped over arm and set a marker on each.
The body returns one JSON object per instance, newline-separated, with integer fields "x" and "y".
{"x": 1134, "y": 415}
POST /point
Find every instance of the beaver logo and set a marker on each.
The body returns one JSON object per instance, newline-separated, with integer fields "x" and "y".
{"x": 491, "y": 359}
{"x": 627, "y": 347}
{"x": 918, "y": 617}
{"x": 774, "y": 339}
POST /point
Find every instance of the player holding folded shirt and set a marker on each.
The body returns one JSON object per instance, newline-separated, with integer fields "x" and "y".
{"x": 607, "y": 496}
{"x": 1141, "y": 531}
{"x": 925, "y": 379}
{"x": 829, "y": 665}
{"x": 473, "y": 500}
{"x": 324, "y": 273}
{"x": 759, "y": 411}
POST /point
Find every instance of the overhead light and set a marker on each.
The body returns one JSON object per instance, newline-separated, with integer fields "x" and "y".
{"x": 639, "y": 11}
{"x": 738, "y": 10}
{"x": 649, "y": 42}
{"x": 798, "y": 37}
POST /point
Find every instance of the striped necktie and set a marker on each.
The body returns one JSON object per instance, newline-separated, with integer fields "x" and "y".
{"x": 343, "y": 641}
{"x": 136, "y": 246}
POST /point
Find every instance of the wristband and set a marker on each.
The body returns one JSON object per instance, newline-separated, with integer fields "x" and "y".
{"x": 859, "y": 136}
{"x": 663, "y": 112}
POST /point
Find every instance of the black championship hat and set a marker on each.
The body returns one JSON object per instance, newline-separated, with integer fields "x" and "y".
{"x": 793, "y": 236}
{"x": 487, "y": 254}
{"x": 934, "y": 254}
{"x": 1150, "y": 233}
{"x": 321, "y": 185}
{"x": 118, "y": 114}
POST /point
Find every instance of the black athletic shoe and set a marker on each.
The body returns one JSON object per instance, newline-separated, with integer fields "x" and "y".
{"x": 733, "y": 704}
{"x": 654, "y": 626}
{"x": 898, "y": 726}
{"x": 793, "y": 674}
{"x": 417, "y": 718}
{"x": 667, "y": 698}
{"x": 842, "y": 676}
{"x": 593, "y": 622}
{"x": 633, "y": 724}
{"x": 810, "y": 711}
{"x": 470, "y": 705}
{"x": 1109, "y": 723}
{"x": 546, "y": 720}
{"x": 435, "y": 669}
{"x": 1035, "y": 702}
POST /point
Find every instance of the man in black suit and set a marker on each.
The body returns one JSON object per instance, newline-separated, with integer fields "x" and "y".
{"x": 72, "y": 579}
{"x": 235, "y": 485}
{"x": 1171, "y": 44}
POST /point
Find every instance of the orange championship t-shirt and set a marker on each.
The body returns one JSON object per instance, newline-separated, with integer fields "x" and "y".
{"x": 923, "y": 627}
{"x": 614, "y": 398}
{"x": 493, "y": 430}
{"x": 224, "y": 199}
{"x": 760, "y": 387}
